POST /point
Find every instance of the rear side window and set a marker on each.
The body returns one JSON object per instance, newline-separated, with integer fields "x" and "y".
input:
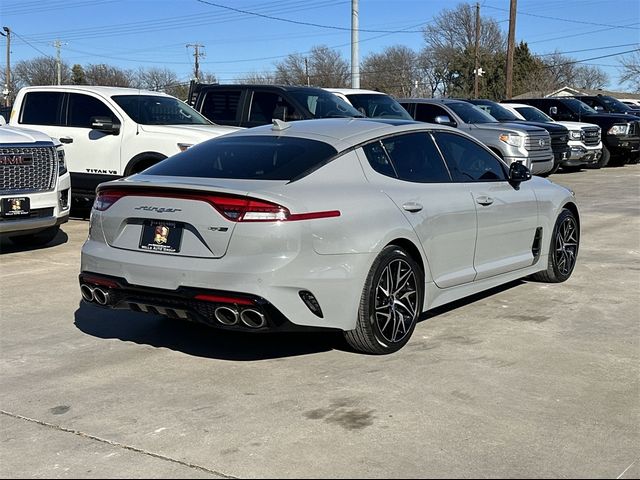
{"x": 42, "y": 108}
{"x": 266, "y": 106}
{"x": 247, "y": 158}
{"x": 221, "y": 107}
{"x": 468, "y": 161}
{"x": 426, "y": 112}
{"x": 412, "y": 157}
{"x": 83, "y": 107}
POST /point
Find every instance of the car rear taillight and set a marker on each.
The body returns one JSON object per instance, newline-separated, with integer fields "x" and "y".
{"x": 232, "y": 207}
{"x": 106, "y": 198}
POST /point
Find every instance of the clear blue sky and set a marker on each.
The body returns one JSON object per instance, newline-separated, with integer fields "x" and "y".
{"x": 144, "y": 33}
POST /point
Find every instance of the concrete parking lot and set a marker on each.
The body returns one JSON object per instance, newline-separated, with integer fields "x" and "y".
{"x": 529, "y": 380}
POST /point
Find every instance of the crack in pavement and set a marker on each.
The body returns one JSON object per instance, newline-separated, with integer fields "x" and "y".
{"x": 116, "y": 444}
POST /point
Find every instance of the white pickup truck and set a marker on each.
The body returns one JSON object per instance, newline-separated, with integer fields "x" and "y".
{"x": 111, "y": 132}
{"x": 34, "y": 186}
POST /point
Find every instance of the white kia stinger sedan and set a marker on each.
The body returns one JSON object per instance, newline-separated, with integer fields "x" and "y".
{"x": 358, "y": 225}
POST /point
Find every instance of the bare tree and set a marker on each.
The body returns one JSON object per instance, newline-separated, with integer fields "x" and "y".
{"x": 40, "y": 71}
{"x": 324, "y": 68}
{"x": 108, "y": 75}
{"x": 257, "y": 78}
{"x": 630, "y": 70}
{"x": 155, "y": 78}
{"x": 394, "y": 71}
{"x": 590, "y": 77}
{"x": 450, "y": 40}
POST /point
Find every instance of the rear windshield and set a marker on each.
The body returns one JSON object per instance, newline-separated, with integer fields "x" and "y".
{"x": 247, "y": 158}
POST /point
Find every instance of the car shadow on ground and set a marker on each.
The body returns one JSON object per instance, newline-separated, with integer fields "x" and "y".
{"x": 6, "y": 246}
{"x": 201, "y": 340}
{"x": 204, "y": 341}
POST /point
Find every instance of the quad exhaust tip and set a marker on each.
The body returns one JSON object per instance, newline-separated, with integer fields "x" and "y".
{"x": 87, "y": 292}
{"x": 227, "y": 315}
{"x": 253, "y": 318}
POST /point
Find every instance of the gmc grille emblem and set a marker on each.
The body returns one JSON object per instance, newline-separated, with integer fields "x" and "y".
{"x": 16, "y": 160}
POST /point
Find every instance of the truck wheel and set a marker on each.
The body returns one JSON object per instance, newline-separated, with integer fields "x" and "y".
{"x": 604, "y": 158}
{"x": 34, "y": 239}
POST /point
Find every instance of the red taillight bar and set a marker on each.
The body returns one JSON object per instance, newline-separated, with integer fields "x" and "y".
{"x": 105, "y": 282}
{"x": 234, "y": 208}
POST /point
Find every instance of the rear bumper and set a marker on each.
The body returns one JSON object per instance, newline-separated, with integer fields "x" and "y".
{"x": 336, "y": 281}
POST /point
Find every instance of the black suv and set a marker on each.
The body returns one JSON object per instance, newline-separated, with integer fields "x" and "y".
{"x": 558, "y": 133}
{"x": 620, "y": 133}
{"x": 607, "y": 104}
{"x": 243, "y": 105}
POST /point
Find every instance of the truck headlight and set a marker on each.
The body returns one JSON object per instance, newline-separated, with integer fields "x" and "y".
{"x": 622, "y": 129}
{"x": 511, "y": 139}
{"x": 62, "y": 164}
{"x": 575, "y": 134}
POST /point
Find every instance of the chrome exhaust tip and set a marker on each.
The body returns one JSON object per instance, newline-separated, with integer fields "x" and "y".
{"x": 100, "y": 296}
{"x": 253, "y": 318}
{"x": 226, "y": 315}
{"x": 87, "y": 292}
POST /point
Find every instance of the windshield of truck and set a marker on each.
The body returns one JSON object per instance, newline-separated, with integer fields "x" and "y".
{"x": 159, "y": 110}
{"x": 470, "y": 113}
{"x": 615, "y": 105}
{"x": 533, "y": 114}
{"x": 576, "y": 106}
{"x": 321, "y": 104}
{"x": 378, "y": 106}
{"x": 497, "y": 111}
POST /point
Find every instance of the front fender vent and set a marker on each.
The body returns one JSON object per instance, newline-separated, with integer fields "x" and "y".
{"x": 537, "y": 245}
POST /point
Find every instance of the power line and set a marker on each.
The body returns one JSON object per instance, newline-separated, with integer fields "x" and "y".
{"x": 584, "y": 33}
{"x": 308, "y": 24}
{"x": 557, "y": 18}
{"x": 586, "y": 50}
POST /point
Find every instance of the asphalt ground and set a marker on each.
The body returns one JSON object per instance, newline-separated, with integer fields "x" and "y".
{"x": 527, "y": 380}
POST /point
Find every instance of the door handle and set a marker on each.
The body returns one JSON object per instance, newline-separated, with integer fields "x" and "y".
{"x": 484, "y": 200}
{"x": 412, "y": 207}
{"x": 66, "y": 139}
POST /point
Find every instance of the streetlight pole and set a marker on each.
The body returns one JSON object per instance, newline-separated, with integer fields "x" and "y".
{"x": 7, "y": 78}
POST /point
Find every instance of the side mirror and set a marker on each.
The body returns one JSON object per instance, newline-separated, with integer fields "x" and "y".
{"x": 553, "y": 111}
{"x": 518, "y": 173}
{"x": 444, "y": 120}
{"x": 105, "y": 124}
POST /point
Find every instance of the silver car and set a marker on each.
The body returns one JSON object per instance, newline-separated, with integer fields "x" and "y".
{"x": 356, "y": 225}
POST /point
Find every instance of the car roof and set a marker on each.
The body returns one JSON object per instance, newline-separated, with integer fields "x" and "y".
{"x": 102, "y": 90}
{"x": 341, "y": 133}
{"x": 445, "y": 101}
{"x": 352, "y": 91}
{"x": 283, "y": 88}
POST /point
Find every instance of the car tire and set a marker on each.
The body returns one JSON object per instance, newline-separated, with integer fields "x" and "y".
{"x": 35, "y": 239}
{"x": 563, "y": 250}
{"x": 603, "y": 161}
{"x": 390, "y": 304}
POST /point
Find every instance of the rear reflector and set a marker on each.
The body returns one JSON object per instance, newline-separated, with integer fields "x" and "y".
{"x": 234, "y": 208}
{"x": 223, "y": 299}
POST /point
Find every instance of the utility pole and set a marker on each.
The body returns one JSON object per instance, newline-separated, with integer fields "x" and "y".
{"x": 58, "y": 44}
{"x": 511, "y": 47}
{"x": 306, "y": 70}
{"x": 476, "y": 72}
{"x": 197, "y": 54}
{"x": 7, "y": 86}
{"x": 355, "y": 52}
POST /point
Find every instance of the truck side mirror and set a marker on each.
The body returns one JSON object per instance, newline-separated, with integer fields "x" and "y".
{"x": 105, "y": 125}
{"x": 444, "y": 120}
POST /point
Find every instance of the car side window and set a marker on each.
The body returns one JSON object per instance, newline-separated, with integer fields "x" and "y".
{"x": 379, "y": 160}
{"x": 42, "y": 108}
{"x": 83, "y": 107}
{"x": 265, "y": 106}
{"x": 426, "y": 112}
{"x": 415, "y": 158}
{"x": 468, "y": 161}
{"x": 221, "y": 107}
